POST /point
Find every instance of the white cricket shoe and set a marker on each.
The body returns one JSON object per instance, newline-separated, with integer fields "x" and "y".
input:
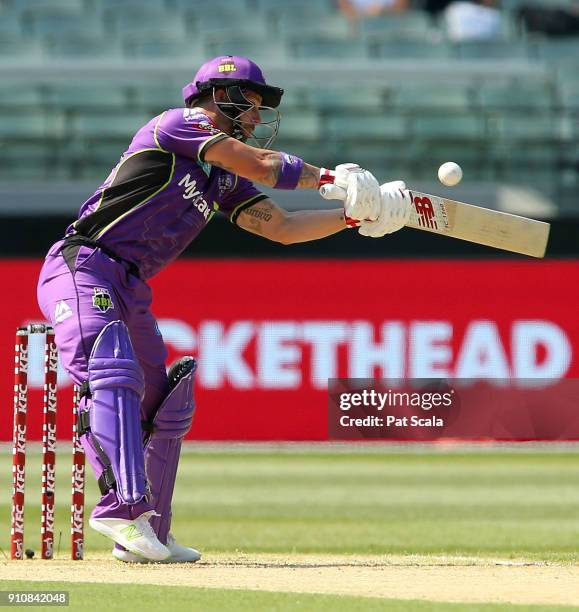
{"x": 179, "y": 554}
{"x": 135, "y": 535}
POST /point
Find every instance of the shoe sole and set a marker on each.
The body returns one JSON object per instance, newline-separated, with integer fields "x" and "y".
{"x": 118, "y": 554}
{"x": 115, "y": 536}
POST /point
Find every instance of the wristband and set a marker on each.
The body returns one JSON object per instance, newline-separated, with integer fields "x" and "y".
{"x": 326, "y": 176}
{"x": 351, "y": 222}
{"x": 291, "y": 170}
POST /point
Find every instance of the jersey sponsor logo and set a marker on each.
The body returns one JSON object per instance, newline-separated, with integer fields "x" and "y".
{"x": 101, "y": 299}
{"x": 62, "y": 312}
{"x": 196, "y": 196}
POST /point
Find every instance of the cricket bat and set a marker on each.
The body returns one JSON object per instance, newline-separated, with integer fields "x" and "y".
{"x": 492, "y": 228}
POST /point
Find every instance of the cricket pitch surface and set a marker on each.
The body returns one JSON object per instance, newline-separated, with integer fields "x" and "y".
{"x": 429, "y": 578}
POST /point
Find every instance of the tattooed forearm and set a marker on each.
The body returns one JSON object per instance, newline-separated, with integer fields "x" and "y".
{"x": 273, "y": 159}
{"x": 257, "y": 216}
{"x": 309, "y": 178}
{"x": 263, "y": 212}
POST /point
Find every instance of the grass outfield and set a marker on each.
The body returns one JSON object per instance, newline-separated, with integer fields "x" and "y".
{"x": 476, "y": 505}
{"x": 143, "y": 597}
{"x": 508, "y": 505}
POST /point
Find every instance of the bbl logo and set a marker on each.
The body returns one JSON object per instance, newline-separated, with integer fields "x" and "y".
{"x": 101, "y": 300}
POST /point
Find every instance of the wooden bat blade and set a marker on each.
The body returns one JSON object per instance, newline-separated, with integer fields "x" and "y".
{"x": 481, "y": 225}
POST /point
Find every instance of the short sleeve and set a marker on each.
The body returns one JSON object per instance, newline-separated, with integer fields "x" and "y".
{"x": 186, "y": 132}
{"x": 240, "y": 196}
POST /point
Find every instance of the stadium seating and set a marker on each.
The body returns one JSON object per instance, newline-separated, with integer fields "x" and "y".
{"x": 506, "y": 128}
{"x": 341, "y": 128}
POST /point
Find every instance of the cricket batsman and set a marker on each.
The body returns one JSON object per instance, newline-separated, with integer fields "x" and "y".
{"x": 180, "y": 169}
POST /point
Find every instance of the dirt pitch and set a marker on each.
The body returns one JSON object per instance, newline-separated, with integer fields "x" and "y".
{"x": 451, "y": 579}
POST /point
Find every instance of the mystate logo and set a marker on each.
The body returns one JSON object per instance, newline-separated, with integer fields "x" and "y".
{"x": 195, "y": 195}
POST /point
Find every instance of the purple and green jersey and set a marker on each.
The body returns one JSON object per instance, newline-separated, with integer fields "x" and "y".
{"x": 162, "y": 193}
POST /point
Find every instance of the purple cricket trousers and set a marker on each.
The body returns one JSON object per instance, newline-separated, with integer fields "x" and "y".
{"x": 80, "y": 290}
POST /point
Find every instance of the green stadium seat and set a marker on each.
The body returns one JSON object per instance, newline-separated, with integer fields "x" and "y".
{"x": 327, "y": 49}
{"x": 364, "y": 127}
{"x": 308, "y": 24}
{"x": 157, "y": 96}
{"x": 258, "y": 49}
{"x": 410, "y": 49}
{"x": 10, "y": 25}
{"x": 321, "y": 8}
{"x": 16, "y": 48}
{"x": 27, "y": 153}
{"x": 515, "y": 95}
{"x": 312, "y": 152}
{"x": 16, "y": 95}
{"x": 295, "y": 97}
{"x": 61, "y": 23}
{"x": 158, "y": 47}
{"x": 475, "y": 161}
{"x": 545, "y": 182}
{"x": 532, "y": 155}
{"x": 36, "y": 126}
{"x": 134, "y": 6}
{"x": 561, "y": 49}
{"x": 75, "y": 6}
{"x": 83, "y": 48}
{"x": 121, "y": 125}
{"x": 451, "y": 127}
{"x": 352, "y": 97}
{"x": 97, "y": 159}
{"x": 300, "y": 126}
{"x": 412, "y": 24}
{"x": 94, "y": 95}
{"x": 232, "y": 23}
{"x": 491, "y": 50}
{"x": 518, "y": 127}
{"x": 569, "y": 95}
{"x": 444, "y": 96}
{"x": 146, "y": 23}
{"x": 26, "y": 172}
{"x": 383, "y": 161}
{"x": 223, "y": 7}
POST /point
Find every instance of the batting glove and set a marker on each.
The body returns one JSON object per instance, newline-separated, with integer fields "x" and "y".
{"x": 360, "y": 188}
{"x": 394, "y": 211}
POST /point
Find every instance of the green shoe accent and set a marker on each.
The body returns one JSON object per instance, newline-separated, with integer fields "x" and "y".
{"x": 131, "y": 532}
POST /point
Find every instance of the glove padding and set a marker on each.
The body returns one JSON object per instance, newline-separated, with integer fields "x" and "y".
{"x": 394, "y": 211}
{"x": 362, "y": 191}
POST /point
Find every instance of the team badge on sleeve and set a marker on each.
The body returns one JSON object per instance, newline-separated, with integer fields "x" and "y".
{"x": 226, "y": 183}
{"x": 101, "y": 299}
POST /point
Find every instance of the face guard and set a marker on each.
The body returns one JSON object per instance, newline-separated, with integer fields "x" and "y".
{"x": 237, "y": 108}
{"x": 236, "y": 75}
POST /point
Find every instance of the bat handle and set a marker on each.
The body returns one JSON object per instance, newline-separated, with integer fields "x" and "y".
{"x": 332, "y": 192}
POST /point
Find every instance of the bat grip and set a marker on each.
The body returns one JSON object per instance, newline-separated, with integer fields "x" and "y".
{"x": 332, "y": 192}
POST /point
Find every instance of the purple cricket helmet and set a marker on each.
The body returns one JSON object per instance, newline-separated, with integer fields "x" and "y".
{"x": 227, "y": 70}
{"x": 237, "y": 74}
